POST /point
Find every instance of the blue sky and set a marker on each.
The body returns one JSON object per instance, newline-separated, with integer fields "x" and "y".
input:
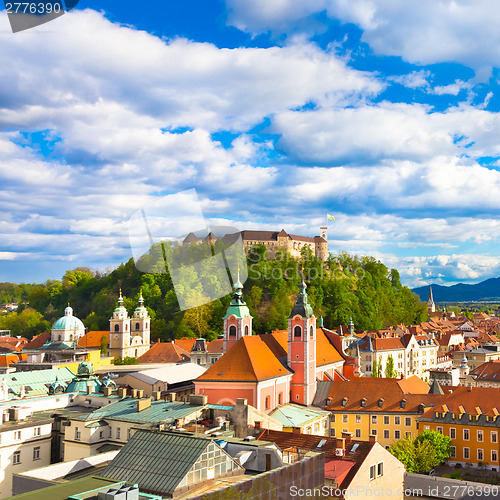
{"x": 385, "y": 114}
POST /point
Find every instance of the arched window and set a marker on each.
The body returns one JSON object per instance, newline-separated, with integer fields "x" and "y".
{"x": 137, "y": 326}
{"x": 117, "y": 328}
{"x": 126, "y": 327}
{"x": 59, "y": 337}
{"x": 246, "y": 329}
{"x": 232, "y": 331}
{"x": 297, "y": 332}
{"x": 311, "y": 332}
{"x": 71, "y": 337}
{"x": 146, "y": 325}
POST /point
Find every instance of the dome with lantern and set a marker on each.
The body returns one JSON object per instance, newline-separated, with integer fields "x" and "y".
{"x": 68, "y": 328}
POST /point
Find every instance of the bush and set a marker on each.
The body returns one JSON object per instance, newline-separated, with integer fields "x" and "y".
{"x": 455, "y": 475}
{"x": 458, "y": 466}
{"x": 446, "y": 475}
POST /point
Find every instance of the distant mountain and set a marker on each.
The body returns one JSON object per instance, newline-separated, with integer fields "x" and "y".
{"x": 486, "y": 290}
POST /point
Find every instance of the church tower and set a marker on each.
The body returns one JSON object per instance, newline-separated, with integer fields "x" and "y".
{"x": 140, "y": 325}
{"x": 431, "y": 307}
{"x": 301, "y": 356}
{"x": 119, "y": 330}
{"x": 237, "y": 321}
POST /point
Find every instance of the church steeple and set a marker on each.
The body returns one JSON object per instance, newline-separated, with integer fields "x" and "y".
{"x": 237, "y": 321}
{"x": 431, "y": 307}
{"x": 301, "y": 355}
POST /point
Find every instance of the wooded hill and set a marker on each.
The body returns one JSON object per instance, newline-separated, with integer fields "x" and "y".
{"x": 345, "y": 286}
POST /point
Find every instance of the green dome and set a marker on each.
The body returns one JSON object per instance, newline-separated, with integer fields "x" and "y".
{"x": 85, "y": 368}
{"x": 68, "y": 321}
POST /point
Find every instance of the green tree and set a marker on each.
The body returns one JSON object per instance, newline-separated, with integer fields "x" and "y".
{"x": 375, "y": 369}
{"x": 404, "y": 451}
{"x": 439, "y": 442}
{"x": 104, "y": 345}
{"x": 389, "y": 368}
{"x": 127, "y": 360}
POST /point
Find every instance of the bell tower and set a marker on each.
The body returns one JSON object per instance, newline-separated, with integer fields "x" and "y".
{"x": 237, "y": 321}
{"x": 119, "y": 330}
{"x": 140, "y": 324}
{"x": 301, "y": 356}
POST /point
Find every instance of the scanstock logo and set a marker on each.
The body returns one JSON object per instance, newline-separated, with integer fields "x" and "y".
{"x": 26, "y": 15}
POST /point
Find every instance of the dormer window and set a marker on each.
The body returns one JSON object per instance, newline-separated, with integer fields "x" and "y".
{"x": 344, "y": 402}
{"x": 363, "y": 402}
{"x": 380, "y": 402}
{"x": 402, "y": 404}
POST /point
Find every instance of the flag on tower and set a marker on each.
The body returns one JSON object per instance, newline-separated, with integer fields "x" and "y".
{"x": 331, "y": 217}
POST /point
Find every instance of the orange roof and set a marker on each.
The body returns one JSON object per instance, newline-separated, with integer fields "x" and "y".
{"x": 93, "y": 338}
{"x": 488, "y": 371}
{"x": 164, "y": 352}
{"x": 38, "y": 341}
{"x": 185, "y": 343}
{"x": 7, "y": 359}
{"x": 249, "y": 360}
{"x": 215, "y": 346}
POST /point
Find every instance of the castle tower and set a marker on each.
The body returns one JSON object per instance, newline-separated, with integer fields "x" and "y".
{"x": 431, "y": 307}
{"x": 119, "y": 330}
{"x": 323, "y": 232}
{"x": 350, "y": 327}
{"x": 464, "y": 370}
{"x": 301, "y": 356}
{"x": 237, "y": 321}
{"x": 140, "y": 326}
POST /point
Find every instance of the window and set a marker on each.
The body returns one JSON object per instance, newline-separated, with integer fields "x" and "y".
{"x": 426, "y": 428}
{"x": 37, "y": 431}
{"x": 137, "y": 326}
{"x": 480, "y": 436}
{"x": 232, "y": 331}
{"x": 17, "y": 435}
{"x": 118, "y": 432}
{"x": 297, "y": 332}
{"x": 466, "y": 453}
{"x": 408, "y": 421}
{"x": 372, "y": 472}
{"x": 397, "y": 420}
{"x": 386, "y": 434}
{"x": 374, "y": 432}
{"x": 311, "y": 332}
{"x": 408, "y": 435}
{"x": 439, "y": 429}
{"x": 16, "y": 458}
{"x": 358, "y": 419}
{"x": 480, "y": 454}
{"x": 386, "y": 420}
{"x": 101, "y": 434}
{"x": 453, "y": 433}
{"x": 494, "y": 456}
{"x": 198, "y": 361}
{"x": 332, "y": 432}
{"x": 268, "y": 402}
{"x": 380, "y": 469}
{"x": 374, "y": 419}
{"x": 358, "y": 433}
{"x": 129, "y": 434}
{"x": 332, "y": 418}
{"x": 316, "y": 427}
{"x": 494, "y": 436}
{"x": 117, "y": 329}
{"x": 453, "y": 452}
{"x": 36, "y": 453}
{"x": 246, "y": 330}
{"x": 466, "y": 434}
{"x": 280, "y": 398}
{"x": 345, "y": 419}
{"x": 397, "y": 434}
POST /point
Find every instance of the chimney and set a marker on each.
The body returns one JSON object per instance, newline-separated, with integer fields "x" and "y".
{"x": 122, "y": 392}
{"x": 295, "y": 430}
{"x": 142, "y": 404}
{"x": 156, "y": 395}
{"x": 372, "y": 439}
{"x": 341, "y": 443}
{"x": 107, "y": 391}
{"x": 257, "y": 424}
{"x": 347, "y": 436}
{"x": 133, "y": 393}
{"x": 140, "y": 393}
{"x": 200, "y": 399}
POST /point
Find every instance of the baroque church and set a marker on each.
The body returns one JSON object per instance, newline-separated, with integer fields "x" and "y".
{"x": 129, "y": 337}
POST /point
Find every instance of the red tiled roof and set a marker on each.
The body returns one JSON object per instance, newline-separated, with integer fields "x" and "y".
{"x": 249, "y": 359}
{"x": 164, "y": 352}
{"x": 488, "y": 371}
{"x": 7, "y": 359}
{"x": 215, "y": 346}
{"x": 185, "y": 343}
{"x": 93, "y": 339}
{"x": 37, "y": 341}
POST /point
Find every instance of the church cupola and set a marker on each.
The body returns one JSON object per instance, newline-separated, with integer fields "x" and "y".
{"x": 301, "y": 356}
{"x": 119, "y": 327}
{"x": 237, "y": 321}
{"x": 140, "y": 323}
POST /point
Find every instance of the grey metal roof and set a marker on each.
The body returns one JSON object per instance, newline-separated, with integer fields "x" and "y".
{"x": 126, "y": 410}
{"x": 156, "y": 461}
{"x": 322, "y": 391}
{"x": 36, "y": 382}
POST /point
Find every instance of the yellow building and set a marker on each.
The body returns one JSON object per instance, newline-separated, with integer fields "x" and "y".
{"x": 469, "y": 416}
{"x": 385, "y": 407}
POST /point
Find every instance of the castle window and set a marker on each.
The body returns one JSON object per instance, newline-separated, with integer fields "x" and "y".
{"x": 117, "y": 328}
{"x": 297, "y": 332}
{"x": 246, "y": 329}
{"x": 311, "y": 332}
{"x": 232, "y": 331}
{"x": 137, "y": 326}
